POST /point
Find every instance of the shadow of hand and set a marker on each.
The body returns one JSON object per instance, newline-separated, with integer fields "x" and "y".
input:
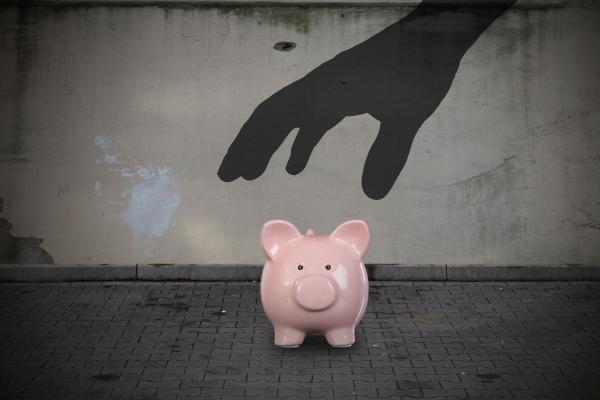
{"x": 399, "y": 76}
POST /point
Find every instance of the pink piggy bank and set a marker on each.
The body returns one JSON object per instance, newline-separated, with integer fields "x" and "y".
{"x": 314, "y": 284}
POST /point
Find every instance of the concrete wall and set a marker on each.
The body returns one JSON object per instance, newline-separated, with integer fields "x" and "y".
{"x": 114, "y": 121}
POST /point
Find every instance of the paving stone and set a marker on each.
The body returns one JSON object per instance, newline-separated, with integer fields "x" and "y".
{"x": 165, "y": 340}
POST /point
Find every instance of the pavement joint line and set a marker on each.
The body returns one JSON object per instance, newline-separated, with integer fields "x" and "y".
{"x": 252, "y": 272}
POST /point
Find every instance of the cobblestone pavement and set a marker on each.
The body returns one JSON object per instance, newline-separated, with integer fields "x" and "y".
{"x": 167, "y": 340}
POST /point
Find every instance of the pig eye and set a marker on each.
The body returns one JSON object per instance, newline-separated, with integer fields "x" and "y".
{"x": 300, "y": 267}
{"x": 328, "y": 267}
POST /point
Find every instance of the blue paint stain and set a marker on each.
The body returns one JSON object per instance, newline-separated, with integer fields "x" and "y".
{"x": 152, "y": 202}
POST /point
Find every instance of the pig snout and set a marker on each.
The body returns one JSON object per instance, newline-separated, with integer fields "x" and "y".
{"x": 315, "y": 293}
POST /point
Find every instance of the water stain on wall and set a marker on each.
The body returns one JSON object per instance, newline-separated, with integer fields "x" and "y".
{"x": 20, "y": 250}
{"x": 480, "y": 197}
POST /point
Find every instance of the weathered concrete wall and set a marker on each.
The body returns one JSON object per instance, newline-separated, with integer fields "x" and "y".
{"x": 114, "y": 121}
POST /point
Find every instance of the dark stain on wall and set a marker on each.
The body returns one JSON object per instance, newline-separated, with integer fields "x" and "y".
{"x": 17, "y": 250}
{"x": 285, "y": 46}
{"x": 25, "y": 44}
{"x": 399, "y": 76}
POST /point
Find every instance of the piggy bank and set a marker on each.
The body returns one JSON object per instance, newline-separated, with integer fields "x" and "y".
{"x": 314, "y": 284}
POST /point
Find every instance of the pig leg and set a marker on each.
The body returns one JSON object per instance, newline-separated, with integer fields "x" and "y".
{"x": 340, "y": 337}
{"x": 288, "y": 337}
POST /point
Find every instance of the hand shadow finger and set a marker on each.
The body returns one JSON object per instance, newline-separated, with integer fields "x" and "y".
{"x": 387, "y": 157}
{"x": 304, "y": 143}
{"x": 263, "y": 133}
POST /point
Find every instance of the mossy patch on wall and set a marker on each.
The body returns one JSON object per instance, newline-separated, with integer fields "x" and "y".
{"x": 296, "y": 18}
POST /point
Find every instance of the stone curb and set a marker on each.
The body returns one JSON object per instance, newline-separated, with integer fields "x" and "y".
{"x": 397, "y": 272}
{"x": 62, "y": 273}
{"x": 522, "y": 273}
{"x": 245, "y": 272}
{"x": 198, "y": 272}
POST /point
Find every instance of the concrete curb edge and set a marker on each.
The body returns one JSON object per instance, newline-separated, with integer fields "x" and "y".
{"x": 247, "y": 272}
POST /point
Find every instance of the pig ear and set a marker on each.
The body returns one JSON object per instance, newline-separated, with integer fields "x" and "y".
{"x": 275, "y": 234}
{"x": 356, "y": 233}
